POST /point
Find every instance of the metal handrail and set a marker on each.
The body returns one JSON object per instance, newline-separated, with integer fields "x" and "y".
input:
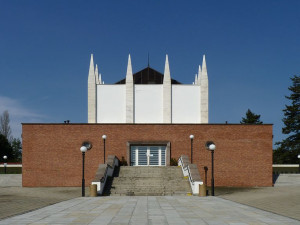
{"x": 188, "y": 169}
{"x": 180, "y": 160}
{"x": 190, "y": 176}
{"x": 105, "y": 174}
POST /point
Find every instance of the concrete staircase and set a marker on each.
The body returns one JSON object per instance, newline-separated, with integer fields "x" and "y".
{"x": 148, "y": 181}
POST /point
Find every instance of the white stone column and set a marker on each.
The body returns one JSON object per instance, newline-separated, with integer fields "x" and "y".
{"x": 199, "y": 75}
{"x": 196, "y": 79}
{"x": 129, "y": 93}
{"x": 199, "y": 84}
{"x": 167, "y": 94}
{"x": 100, "y": 78}
{"x": 97, "y": 75}
{"x": 204, "y": 93}
{"x": 92, "y": 93}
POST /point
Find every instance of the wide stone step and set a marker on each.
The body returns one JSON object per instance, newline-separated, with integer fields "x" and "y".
{"x": 167, "y": 193}
{"x": 150, "y": 185}
{"x": 149, "y": 181}
{"x": 154, "y": 176}
{"x": 150, "y": 170}
{"x": 151, "y": 167}
{"x": 163, "y": 190}
{"x": 135, "y": 174}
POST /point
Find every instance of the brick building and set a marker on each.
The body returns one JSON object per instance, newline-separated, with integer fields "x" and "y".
{"x": 148, "y": 119}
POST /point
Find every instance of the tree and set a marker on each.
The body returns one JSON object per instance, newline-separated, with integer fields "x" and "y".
{"x": 291, "y": 122}
{"x": 16, "y": 149}
{"x": 5, "y": 148}
{"x": 4, "y": 125}
{"x": 251, "y": 118}
{"x": 9, "y": 146}
{"x": 283, "y": 156}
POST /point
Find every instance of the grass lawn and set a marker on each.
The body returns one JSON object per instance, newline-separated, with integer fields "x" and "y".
{"x": 11, "y": 170}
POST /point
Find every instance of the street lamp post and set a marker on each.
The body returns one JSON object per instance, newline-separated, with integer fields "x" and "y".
{"x": 104, "y": 138}
{"x": 205, "y": 169}
{"x": 5, "y": 164}
{"x": 299, "y": 161}
{"x": 83, "y": 149}
{"x": 192, "y": 138}
{"x": 211, "y": 147}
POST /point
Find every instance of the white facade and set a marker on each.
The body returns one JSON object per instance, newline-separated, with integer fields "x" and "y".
{"x": 147, "y": 103}
{"x": 186, "y": 104}
{"x": 111, "y": 104}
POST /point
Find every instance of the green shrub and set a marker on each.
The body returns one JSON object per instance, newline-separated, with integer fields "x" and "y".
{"x": 123, "y": 162}
{"x": 173, "y": 162}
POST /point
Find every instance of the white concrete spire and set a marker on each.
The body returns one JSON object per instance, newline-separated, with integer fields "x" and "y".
{"x": 100, "y": 78}
{"x": 92, "y": 93}
{"x": 167, "y": 92}
{"x": 196, "y": 80}
{"x": 199, "y": 75}
{"x": 97, "y": 75}
{"x": 91, "y": 70}
{"x": 167, "y": 76}
{"x": 204, "y": 70}
{"x": 204, "y": 92}
{"x": 129, "y": 92}
{"x": 129, "y": 70}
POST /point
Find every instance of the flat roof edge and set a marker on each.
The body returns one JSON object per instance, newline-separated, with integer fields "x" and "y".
{"x": 195, "y": 124}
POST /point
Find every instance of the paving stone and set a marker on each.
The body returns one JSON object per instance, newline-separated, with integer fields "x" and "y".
{"x": 282, "y": 199}
{"x": 183, "y": 210}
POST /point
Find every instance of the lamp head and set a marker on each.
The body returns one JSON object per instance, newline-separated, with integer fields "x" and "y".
{"x": 83, "y": 149}
{"x": 5, "y": 157}
{"x": 299, "y": 156}
{"x": 87, "y": 144}
{"x": 104, "y": 136}
{"x": 191, "y": 136}
{"x": 210, "y": 145}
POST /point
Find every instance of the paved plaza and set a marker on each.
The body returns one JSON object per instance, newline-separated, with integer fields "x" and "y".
{"x": 283, "y": 198}
{"x": 149, "y": 210}
{"x": 280, "y": 205}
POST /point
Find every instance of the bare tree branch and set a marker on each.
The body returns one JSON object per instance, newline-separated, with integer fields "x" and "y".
{"x": 4, "y": 125}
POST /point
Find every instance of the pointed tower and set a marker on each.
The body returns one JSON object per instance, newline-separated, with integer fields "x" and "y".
{"x": 199, "y": 75}
{"x": 92, "y": 93}
{"x": 196, "y": 79}
{"x": 167, "y": 91}
{"x": 129, "y": 93}
{"x": 97, "y": 75}
{"x": 204, "y": 92}
{"x": 100, "y": 78}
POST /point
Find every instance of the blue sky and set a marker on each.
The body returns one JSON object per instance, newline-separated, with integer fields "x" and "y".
{"x": 252, "y": 48}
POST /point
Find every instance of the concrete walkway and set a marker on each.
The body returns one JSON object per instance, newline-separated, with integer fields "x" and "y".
{"x": 15, "y": 199}
{"x": 282, "y": 201}
{"x": 11, "y": 180}
{"x": 149, "y": 210}
{"x": 283, "y": 198}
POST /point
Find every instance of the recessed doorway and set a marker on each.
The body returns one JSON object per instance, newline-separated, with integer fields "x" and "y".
{"x": 148, "y": 155}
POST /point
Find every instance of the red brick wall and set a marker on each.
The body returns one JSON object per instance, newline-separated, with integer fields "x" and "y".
{"x": 51, "y": 155}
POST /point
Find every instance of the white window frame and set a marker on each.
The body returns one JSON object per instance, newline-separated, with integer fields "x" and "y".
{"x": 148, "y": 155}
